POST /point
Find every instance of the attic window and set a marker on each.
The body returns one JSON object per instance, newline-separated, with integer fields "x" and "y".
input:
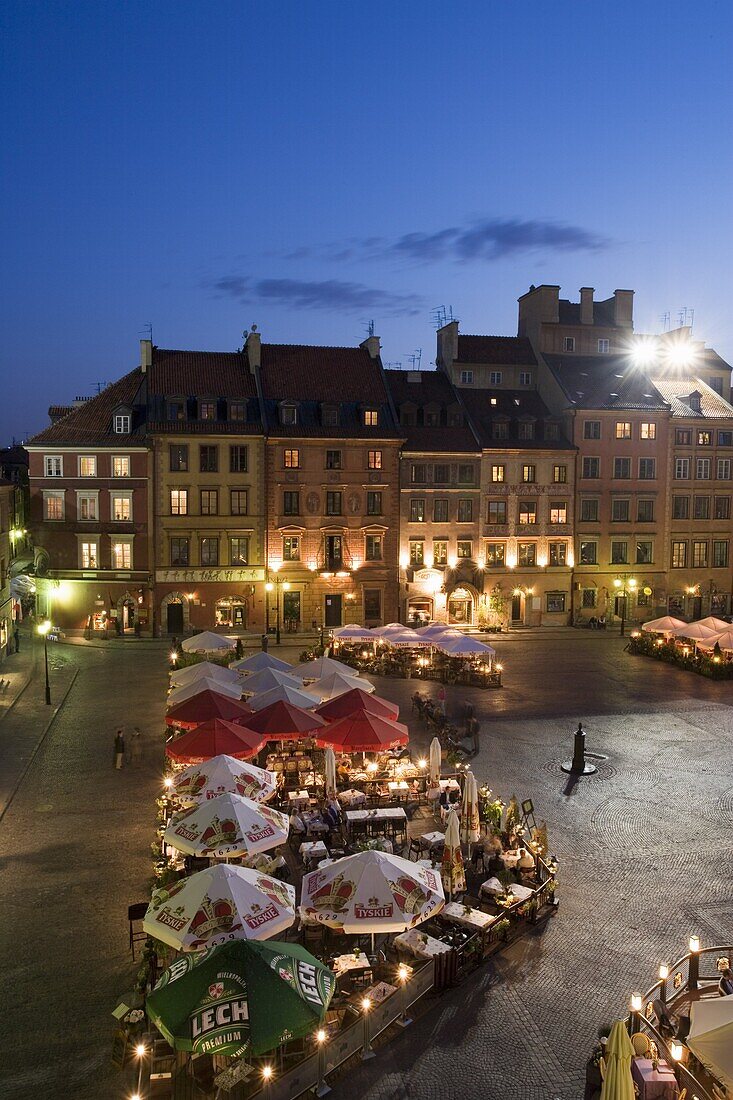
{"x": 526, "y": 429}
{"x": 371, "y": 418}
{"x": 288, "y": 414}
{"x": 552, "y": 431}
{"x": 207, "y": 410}
{"x": 122, "y": 423}
{"x": 329, "y": 416}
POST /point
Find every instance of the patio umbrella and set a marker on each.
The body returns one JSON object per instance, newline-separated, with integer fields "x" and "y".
{"x": 337, "y": 683}
{"x": 298, "y": 697}
{"x": 200, "y": 708}
{"x": 371, "y": 892}
{"x": 208, "y": 669}
{"x": 266, "y": 679}
{"x": 353, "y": 633}
{"x": 257, "y": 661}
{"x": 433, "y": 628}
{"x": 330, "y": 770}
{"x": 463, "y": 646}
{"x": 711, "y": 1037}
{"x": 206, "y": 642}
{"x": 227, "y": 825}
{"x": 322, "y": 666}
{"x": 214, "y": 738}
{"x": 357, "y": 700}
{"x": 204, "y": 683}
{"x": 666, "y": 625}
{"x": 436, "y": 756}
{"x": 218, "y": 904}
{"x": 618, "y": 1084}
{"x": 362, "y": 733}
{"x": 223, "y": 775}
{"x": 714, "y": 623}
{"x": 407, "y": 639}
{"x": 724, "y": 640}
{"x": 242, "y": 995}
{"x": 696, "y": 632}
{"x": 452, "y": 871}
{"x": 470, "y": 826}
{"x": 282, "y": 720}
{"x": 390, "y": 628}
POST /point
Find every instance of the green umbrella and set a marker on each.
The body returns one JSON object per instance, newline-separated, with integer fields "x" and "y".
{"x": 241, "y": 996}
{"x": 618, "y": 1084}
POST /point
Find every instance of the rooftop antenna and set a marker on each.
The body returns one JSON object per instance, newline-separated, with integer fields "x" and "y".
{"x": 666, "y": 321}
{"x": 396, "y": 363}
{"x": 99, "y": 386}
{"x": 442, "y": 315}
{"x": 148, "y": 330}
{"x": 415, "y": 359}
{"x": 685, "y": 316}
{"x": 370, "y": 328}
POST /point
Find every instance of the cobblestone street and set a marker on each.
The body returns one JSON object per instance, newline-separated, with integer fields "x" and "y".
{"x": 644, "y": 850}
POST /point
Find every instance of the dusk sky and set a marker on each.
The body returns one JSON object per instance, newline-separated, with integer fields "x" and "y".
{"x": 311, "y": 167}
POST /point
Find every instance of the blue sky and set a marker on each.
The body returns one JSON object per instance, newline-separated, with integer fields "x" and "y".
{"x": 311, "y": 167}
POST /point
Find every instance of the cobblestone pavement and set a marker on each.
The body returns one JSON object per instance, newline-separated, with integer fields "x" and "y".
{"x": 644, "y": 850}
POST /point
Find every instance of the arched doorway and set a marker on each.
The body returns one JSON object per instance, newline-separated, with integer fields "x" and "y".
{"x": 232, "y": 611}
{"x": 461, "y": 606}
{"x": 174, "y": 616}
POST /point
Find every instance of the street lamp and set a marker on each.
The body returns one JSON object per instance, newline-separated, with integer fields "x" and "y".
{"x": 620, "y": 584}
{"x": 43, "y": 629}
{"x": 268, "y": 589}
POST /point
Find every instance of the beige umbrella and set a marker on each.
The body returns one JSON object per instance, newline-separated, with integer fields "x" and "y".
{"x": 618, "y": 1084}
{"x": 435, "y": 761}
{"x": 470, "y": 828}
{"x": 330, "y": 770}
{"x": 452, "y": 870}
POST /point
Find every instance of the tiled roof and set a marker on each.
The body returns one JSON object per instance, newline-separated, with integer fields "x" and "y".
{"x": 433, "y": 389}
{"x": 676, "y": 392}
{"x": 604, "y": 382}
{"x": 511, "y": 408}
{"x": 55, "y": 412}
{"x": 91, "y": 423}
{"x": 201, "y": 374}
{"x": 205, "y": 427}
{"x": 502, "y": 350}
{"x": 603, "y": 313}
{"x": 712, "y": 359}
{"x": 444, "y": 440}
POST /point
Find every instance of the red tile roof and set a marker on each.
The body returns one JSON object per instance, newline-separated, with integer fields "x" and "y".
{"x": 501, "y": 350}
{"x": 91, "y": 423}
{"x": 201, "y": 373}
{"x": 307, "y": 372}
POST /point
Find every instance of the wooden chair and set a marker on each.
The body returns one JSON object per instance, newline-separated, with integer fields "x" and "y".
{"x": 135, "y": 914}
{"x": 640, "y": 1043}
{"x": 415, "y": 847}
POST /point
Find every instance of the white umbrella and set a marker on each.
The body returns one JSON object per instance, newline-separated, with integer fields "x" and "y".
{"x": 390, "y": 628}
{"x": 711, "y": 1037}
{"x": 436, "y": 755}
{"x": 206, "y": 642}
{"x": 354, "y": 633}
{"x": 330, "y": 770}
{"x": 696, "y": 632}
{"x": 299, "y": 697}
{"x": 724, "y": 640}
{"x": 433, "y": 628}
{"x": 227, "y": 825}
{"x": 194, "y": 687}
{"x": 452, "y": 871}
{"x": 464, "y": 646}
{"x": 219, "y": 904}
{"x": 337, "y": 683}
{"x": 322, "y": 666}
{"x": 223, "y": 775}
{"x": 257, "y": 661}
{"x": 470, "y": 826}
{"x": 666, "y": 625}
{"x": 266, "y": 679}
{"x": 371, "y": 892}
{"x": 181, "y": 676}
{"x": 407, "y": 639}
{"x": 714, "y": 623}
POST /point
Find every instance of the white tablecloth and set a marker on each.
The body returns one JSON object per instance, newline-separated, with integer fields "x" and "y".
{"x": 476, "y": 918}
{"x": 356, "y": 961}
{"x": 352, "y": 798}
{"x": 420, "y": 944}
{"x": 395, "y": 813}
{"x": 313, "y": 849}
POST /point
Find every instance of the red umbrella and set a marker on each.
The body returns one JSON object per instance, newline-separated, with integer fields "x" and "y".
{"x": 200, "y": 708}
{"x": 357, "y": 700}
{"x": 363, "y": 732}
{"x": 214, "y": 738}
{"x": 282, "y": 719}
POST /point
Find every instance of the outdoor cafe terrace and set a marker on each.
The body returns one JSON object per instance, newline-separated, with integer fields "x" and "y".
{"x": 314, "y": 886}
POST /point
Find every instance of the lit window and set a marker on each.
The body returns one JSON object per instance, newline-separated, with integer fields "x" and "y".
{"x": 291, "y": 459}
{"x": 498, "y": 473}
{"x": 120, "y": 466}
{"x": 679, "y": 555}
{"x": 291, "y": 547}
{"x": 87, "y": 466}
{"x": 528, "y": 511}
{"x": 704, "y": 439}
{"x": 121, "y": 507}
{"x": 623, "y": 430}
{"x": 528, "y": 474}
{"x": 558, "y": 511}
{"x": 53, "y": 505}
{"x": 179, "y": 502}
{"x": 121, "y": 555}
{"x": 648, "y": 431}
{"x": 371, "y": 418}
{"x": 440, "y": 551}
{"x": 88, "y": 555}
{"x": 375, "y": 460}
{"x": 417, "y": 553}
{"x": 560, "y": 474}
{"x": 495, "y": 554}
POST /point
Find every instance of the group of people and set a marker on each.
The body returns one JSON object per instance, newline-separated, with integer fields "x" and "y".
{"x": 136, "y": 748}
{"x": 324, "y": 820}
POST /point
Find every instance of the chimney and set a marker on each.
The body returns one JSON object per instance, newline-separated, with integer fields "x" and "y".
{"x": 372, "y": 345}
{"x": 623, "y": 308}
{"x": 586, "y": 305}
{"x": 146, "y": 355}
{"x": 253, "y": 345}
{"x": 447, "y": 351}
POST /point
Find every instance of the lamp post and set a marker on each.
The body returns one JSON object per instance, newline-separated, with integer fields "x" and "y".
{"x": 43, "y": 629}
{"x": 620, "y": 584}
{"x": 285, "y": 586}
{"x": 268, "y": 589}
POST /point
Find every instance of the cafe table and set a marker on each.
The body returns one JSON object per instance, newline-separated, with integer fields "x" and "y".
{"x": 475, "y": 919}
{"x": 431, "y": 840}
{"x": 420, "y": 944}
{"x": 299, "y": 800}
{"x": 355, "y": 960}
{"x": 654, "y": 1084}
{"x": 352, "y": 798}
{"x": 313, "y": 849}
{"x": 386, "y": 813}
{"x": 398, "y": 788}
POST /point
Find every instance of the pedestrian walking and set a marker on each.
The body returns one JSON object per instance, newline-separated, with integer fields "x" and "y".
{"x": 16, "y": 638}
{"x": 136, "y": 746}
{"x": 119, "y": 748}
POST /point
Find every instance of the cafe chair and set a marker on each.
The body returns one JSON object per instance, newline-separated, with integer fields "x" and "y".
{"x": 682, "y": 1095}
{"x": 415, "y": 847}
{"x": 640, "y": 1043}
{"x": 135, "y": 914}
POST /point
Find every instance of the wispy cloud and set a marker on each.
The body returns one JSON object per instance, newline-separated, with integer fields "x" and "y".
{"x": 325, "y": 294}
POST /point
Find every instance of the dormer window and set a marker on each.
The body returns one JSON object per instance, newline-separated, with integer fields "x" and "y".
{"x": 694, "y": 401}
{"x": 552, "y": 431}
{"x": 526, "y": 429}
{"x": 500, "y": 429}
{"x": 371, "y": 418}
{"x": 177, "y": 409}
{"x": 237, "y": 410}
{"x": 122, "y": 423}
{"x": 207, "y": 410}
{"x": 288, "y": 414}
{"x": 329, "y": 416}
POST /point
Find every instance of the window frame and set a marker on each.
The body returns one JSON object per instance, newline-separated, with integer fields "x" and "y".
{"x": 178, "y": 495}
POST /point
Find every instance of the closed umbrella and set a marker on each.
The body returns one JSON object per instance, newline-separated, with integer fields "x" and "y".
{"x": 218, "y": 904}
{"x": 436, "y": 755}
{"x": 223, "y": 775}
{"x": 452, "y": 871}
{"x": 470, "y": 826}
{"x": 206, "y": 669}
{"x": 330, "y": 770}
{"x": 204, "y": 683}
{"x": 266, "y": 679}
{"x": 244, "y": 995}
{"x": 206, "y": 642}
{"x": 337, "y": 683}
{"x": 207, "y": 704}
{"x": 214, "y": 738}
{"x": 618, "y": 1084}
{"x": 299, "y": 697}
{"x": 257, "y": 661}
{"x": 228, "y": 825}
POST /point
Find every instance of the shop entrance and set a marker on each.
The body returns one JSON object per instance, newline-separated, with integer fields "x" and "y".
{"x": 128, "y": 615}
{"x": 460, "y": 607}
{"x": 174, "y": 617}
{"x": 517, "y": 608}
{"x": 332, "y": 611}
{"x": 232, "y": 611}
